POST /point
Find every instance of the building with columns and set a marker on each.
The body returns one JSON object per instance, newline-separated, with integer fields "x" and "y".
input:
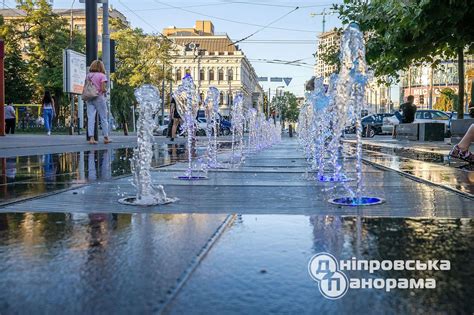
{"x": 213, "y": 60}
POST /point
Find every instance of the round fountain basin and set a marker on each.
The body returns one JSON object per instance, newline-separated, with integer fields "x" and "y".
{"x": 325, "y": 178}
{"x": 356, "y": 201}
{"x": 134, "y": 201}
{"x": 194, "y": 177}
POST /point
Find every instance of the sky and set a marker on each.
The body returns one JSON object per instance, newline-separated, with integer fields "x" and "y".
{"x": 293, "y": 38}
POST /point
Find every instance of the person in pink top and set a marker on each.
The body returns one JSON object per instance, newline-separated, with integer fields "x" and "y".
{"x": 98, "y": 104}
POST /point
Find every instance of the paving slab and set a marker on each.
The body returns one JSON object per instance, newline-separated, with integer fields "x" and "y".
{"x": 97, "y": 263}
{"x": 255, "y": 192}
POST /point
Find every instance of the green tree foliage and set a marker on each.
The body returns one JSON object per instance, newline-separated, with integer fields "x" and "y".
{"x": 18, "y": 88}
{"x": 287, "y": 105}
{"x": 448, "y": 100}
{"x": 401, "y": 33}
{"x": 44, "y": 35}
{"x": 139, "y": 60}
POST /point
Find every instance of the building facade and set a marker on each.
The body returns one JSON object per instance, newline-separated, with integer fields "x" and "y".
{"x": 76, "y": 18}
{"x": 327, "y": 41}
{"x": 426, "y": 84}
{"x": 213, "y": 60}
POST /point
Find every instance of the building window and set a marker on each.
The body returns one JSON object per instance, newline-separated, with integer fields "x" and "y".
{"x": 211, "y": 75}
{"x": 230, "y": 75}
{"x": 178, "y": 75}
{"x": 220, "y": 75}
{"x": 201, "y": 75}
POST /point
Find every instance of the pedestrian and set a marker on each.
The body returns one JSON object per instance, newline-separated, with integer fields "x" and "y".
{"x": 48, "y": 111}
{"x": 97, "y": 104}
{"x": 408, "y": 110}
{"x": 461, "y": 150}
{"x": 175, "y": 117}
{"x": 10, "y": 118}
{"x": 405, "y": 114}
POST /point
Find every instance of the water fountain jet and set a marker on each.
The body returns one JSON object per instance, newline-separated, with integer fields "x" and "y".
{"x": 148, "y": 98}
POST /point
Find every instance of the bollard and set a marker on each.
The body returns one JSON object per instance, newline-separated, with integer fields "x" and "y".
{"x": 290, "y": 130}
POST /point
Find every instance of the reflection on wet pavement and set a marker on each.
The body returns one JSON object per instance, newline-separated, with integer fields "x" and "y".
{"x": 457, "y": 179}
{"x": 29, "y": 176}
{"x": 454, "y": 178}
{"x": 424, "y": 156}
{"x": 73, "y": 263}
{"x": 259, "y": 266}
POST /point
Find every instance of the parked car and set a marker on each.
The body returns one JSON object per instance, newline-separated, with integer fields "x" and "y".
{"x": 422, "y": 115}
{"x": 371, "y": 125}
{"x": 161, "y": 130}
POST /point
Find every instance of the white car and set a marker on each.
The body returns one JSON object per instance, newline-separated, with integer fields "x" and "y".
{"x": 201, "y": 126}
{"x": 160, "y": 130}
{"x": 421, "y": 116}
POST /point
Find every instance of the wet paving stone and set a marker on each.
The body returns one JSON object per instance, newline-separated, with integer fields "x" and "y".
{"x": 230, "y": 280}
{"x": 77, "y": 263}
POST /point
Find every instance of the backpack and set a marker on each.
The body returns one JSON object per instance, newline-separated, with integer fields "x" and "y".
{"x": 90, "y": 91}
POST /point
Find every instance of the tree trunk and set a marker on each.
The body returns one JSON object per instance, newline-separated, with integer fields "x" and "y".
{"x": 125, "y": 129}
{"x": 461, "y": 82}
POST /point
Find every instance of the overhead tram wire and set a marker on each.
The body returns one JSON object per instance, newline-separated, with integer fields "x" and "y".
{"x": 144, "y": 21}
{"x": 281, "y": 42}
{"x": 189, "y": 6}
{"x": 233, "y": 21}
{"x": 264, "y": 27}
{"x": 234, "y": 2}
{"x": 283, "y": 5}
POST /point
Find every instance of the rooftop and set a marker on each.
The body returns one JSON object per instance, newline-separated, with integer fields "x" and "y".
{"x": 207, "y": 43}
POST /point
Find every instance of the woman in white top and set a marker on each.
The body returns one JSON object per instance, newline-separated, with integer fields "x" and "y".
{"x": 48, "y": 111}
{"x": 10, "y": 118}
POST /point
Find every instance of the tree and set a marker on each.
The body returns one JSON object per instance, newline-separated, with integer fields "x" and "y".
{"x": 45, "y": 35}
{"x": 18, "y": 87}
{"x": 287, "y": 105}
{"x": 402, "y": 33}
{"x": 139, "y": 60}
{"x": 447, "y": 101}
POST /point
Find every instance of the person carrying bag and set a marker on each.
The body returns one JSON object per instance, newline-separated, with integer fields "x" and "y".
{"x": 95, "y": 88}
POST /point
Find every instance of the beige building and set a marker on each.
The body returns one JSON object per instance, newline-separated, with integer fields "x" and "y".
{"x": 326, "y": 41}
{"x": 74, "y": 17}
{"x": 213, "y": 60}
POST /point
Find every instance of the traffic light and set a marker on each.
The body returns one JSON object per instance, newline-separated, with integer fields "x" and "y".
{"x": 112, "y": 56}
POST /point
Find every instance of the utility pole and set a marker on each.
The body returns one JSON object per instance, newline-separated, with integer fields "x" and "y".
{"x": 2, "y": 88}
{"x": 106, "y": 54}
{"x": 324, "y": 13}
{"x": 91, "y": 44}
{"x": 163, "y": 96}
{"x": 268, "y": 103}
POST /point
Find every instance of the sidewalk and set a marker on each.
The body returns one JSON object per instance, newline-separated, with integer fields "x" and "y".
{"x": 438, "y": 147}
{"x": 21, "y": 145}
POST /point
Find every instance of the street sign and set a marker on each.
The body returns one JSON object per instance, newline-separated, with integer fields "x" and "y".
{"x": 287, "y": 81}
{"x": 275, "y": 79}
{"x": 74, "y": 71}
{"x": 262, "y": 79}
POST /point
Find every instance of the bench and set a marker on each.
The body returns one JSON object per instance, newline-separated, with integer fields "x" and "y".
{"x": 459, "y": 128}
{"x": 430, "y": 131}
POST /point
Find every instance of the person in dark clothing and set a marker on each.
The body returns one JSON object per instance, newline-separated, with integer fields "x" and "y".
{"x": 409, "y": 110}
{"x": 175, "y": 117}
{"x": 10, "y": 118}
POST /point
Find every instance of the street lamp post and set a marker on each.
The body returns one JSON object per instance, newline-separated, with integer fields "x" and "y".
{"x": 91, "y": 44}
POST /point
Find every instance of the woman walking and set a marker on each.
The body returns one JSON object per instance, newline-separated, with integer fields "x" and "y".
{"x": 175, "y": 117}
{"x": 48, "y": 111}
{"x": 97, "y": 104}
